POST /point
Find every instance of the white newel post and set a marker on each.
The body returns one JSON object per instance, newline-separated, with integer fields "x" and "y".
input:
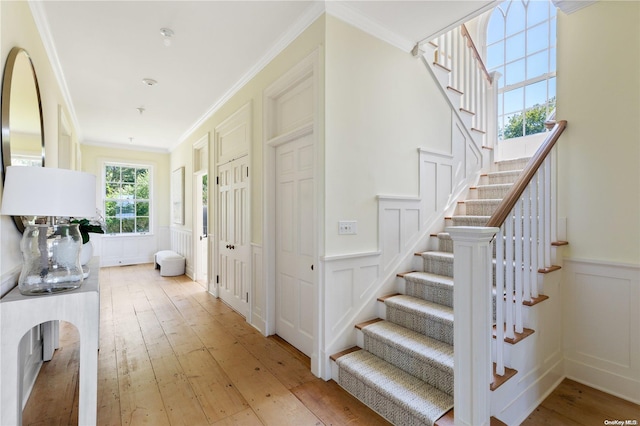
{"x": 472, "y": 304}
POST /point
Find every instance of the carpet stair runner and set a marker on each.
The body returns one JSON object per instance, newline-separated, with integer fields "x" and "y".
{"x": 404, "y": 370}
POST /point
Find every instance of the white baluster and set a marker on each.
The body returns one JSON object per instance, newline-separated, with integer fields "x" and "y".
{"x": 554, "y": 193}
{"x": 541, "y": 217}
{"x": 548, "y": 217}
{"x": 499, "y": 302}
{"x": 527, "y": 242}
{"x": 534, "y": 235}
{"x": 508, "y": 271}
{"x": 517, "y": 266}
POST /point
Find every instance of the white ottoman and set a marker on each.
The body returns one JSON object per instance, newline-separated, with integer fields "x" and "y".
{"x": 170, "y": 263}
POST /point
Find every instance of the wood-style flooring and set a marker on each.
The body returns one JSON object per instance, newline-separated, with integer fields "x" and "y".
{"x": 171, "y": 354}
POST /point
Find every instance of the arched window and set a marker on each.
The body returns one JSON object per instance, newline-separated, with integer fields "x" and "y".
{"x": 521, "y": 45}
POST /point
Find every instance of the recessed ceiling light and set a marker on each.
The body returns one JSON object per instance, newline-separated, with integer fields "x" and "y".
{"x": 166, "y": 34}
{"x": 149, "y": 82}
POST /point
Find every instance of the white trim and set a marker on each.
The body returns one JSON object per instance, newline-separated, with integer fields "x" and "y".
{"x": 196, "y": 175}
{"x": 351, "y": 16}
{"x": 40, "y": 19}
{"x": 592, "y": 326}
{"x": 570, "y": 6}
{"x": 603, "y": 263}
{"x": 125, "y": 147}
{"x": 338, "y": 257}
{"x": 292, "y": 33}
{"x": 307, "y": 68}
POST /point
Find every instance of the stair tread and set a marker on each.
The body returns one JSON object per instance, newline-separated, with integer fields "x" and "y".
{"x": 493, "y": 185}
{"x": 432, "y": 351}
{"x": 420, "y": 306}
{"x": 423, "y": 277}
{"x": 484, "y": 201}
{"x": 421, "y": 399}
{"x": 436, "y": 253}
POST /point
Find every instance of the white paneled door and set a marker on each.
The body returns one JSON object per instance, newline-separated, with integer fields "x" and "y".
{"x": 295, "y": 242}
{"x": 234, "y": 252}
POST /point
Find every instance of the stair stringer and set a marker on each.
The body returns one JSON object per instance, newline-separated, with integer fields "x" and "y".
{"x": 538, "y": 359}
{"x": 353, "y": 282}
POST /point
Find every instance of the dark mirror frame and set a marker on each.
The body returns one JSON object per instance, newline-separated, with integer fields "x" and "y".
{"x": 7, "y": 79}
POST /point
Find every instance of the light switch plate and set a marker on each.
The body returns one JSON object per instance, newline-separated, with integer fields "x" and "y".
{"x": 347, "y": 227}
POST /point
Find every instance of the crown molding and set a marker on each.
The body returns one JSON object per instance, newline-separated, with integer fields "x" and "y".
{"x": 346, "y": 13}
{"x": 42, "y": 24}
{"x": 115, "y": 145}
{"x": 289, "y": 36}
{"x": 570, "y": 6}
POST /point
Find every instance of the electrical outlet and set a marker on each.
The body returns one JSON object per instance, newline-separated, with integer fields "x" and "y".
{"x": 347, "y": 227}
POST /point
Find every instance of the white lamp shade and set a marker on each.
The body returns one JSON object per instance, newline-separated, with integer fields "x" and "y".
{"x": 46, "y": 191}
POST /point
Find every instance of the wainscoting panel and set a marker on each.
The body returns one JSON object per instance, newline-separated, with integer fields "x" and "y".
{"x": 182, "y": 243}
{"x": 602, "y": 326}
{"x": 127, "y": 250}
{"x": 353, "y": 282}
{"x": 258, "y": 296}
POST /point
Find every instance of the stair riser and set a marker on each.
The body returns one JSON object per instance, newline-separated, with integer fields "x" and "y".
{"x": 371, "y": 397}
{"x": 491, "y": 192}
{"x": 424, "y": 324}
{"x": 517, "y": 164}
{"x": 445, "y": 245}
{"x": 495, "y": 179}
{"x": 440, "y": 379}
{"x": 486, "y": 208}
{"x": 430, "y": 292}
{"x": 469, "y": 221}
{"x": 438, "y": 265}
{"x": 477, "y": 221}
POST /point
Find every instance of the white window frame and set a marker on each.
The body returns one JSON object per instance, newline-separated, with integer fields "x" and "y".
{"x": 501, "y": 115}
{"x": 139, "y": 165}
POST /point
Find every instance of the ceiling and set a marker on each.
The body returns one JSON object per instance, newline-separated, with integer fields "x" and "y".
{"x": 102, "y": 50}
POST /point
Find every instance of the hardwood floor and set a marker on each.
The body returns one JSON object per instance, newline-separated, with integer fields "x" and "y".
{"x": 575, "y": 404}
{"x": 171, "y": 354}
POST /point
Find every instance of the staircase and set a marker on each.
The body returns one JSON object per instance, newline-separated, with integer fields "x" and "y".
{"x": 403, "y": 367}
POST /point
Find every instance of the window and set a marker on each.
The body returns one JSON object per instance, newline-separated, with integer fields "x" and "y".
{"x": 126, "y": 198}
{"x": 521, "y": 45}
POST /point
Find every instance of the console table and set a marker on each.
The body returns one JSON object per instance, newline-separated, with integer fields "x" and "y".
{"x": 19, "y": 314}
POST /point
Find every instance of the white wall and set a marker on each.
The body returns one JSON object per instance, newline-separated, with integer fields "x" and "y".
{"x": 381, "y": 105}
{"x": 599, "y": 193}
{"x": 599, "y": 158}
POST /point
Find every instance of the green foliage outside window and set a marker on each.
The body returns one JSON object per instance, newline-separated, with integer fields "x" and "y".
{"x": 127, "y": 203}
{"x": 529, "y": 123}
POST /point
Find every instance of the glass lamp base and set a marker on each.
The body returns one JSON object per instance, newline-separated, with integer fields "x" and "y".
{"x": 51, "y": 259}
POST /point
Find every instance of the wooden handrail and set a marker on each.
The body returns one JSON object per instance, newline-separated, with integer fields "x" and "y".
{"x": 476, "y": 55}
{"x": 514, "y": 194}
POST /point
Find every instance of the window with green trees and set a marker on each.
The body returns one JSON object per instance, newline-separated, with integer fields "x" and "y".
{"x": 127, "y": 203}
{"x": 521, "y": 46}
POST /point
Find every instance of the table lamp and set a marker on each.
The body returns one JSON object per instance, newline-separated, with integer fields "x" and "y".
{"x": 50, "y": 251}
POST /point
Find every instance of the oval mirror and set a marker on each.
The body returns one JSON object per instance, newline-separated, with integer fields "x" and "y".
{"x": 22, "y": 124}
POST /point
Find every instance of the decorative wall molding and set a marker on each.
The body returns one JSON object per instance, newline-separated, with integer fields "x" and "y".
{"x": 602, "y": 325}
{"x": 258, "y": 290}
{"x": 182, "y": 243}
{"x": 127, "y": 250}
{"x": 352, "y": 282}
